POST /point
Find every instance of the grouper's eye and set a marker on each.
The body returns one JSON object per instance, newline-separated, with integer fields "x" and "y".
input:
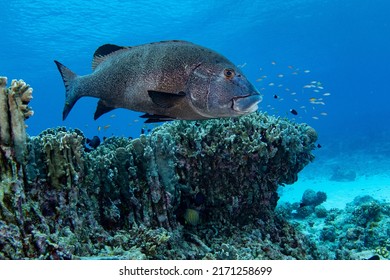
{"x": 229, "y": 73}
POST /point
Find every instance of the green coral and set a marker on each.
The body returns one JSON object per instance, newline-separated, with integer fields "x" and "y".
{"x": 382, "y": 251}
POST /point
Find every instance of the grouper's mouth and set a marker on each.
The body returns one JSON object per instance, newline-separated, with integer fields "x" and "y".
{"x": 246, "y": 104}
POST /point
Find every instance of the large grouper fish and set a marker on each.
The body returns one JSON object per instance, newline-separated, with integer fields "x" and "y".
{"x": 166, "y": 80}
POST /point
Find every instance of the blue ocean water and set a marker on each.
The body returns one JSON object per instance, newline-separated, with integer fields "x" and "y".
{"x": 329, "y": 60}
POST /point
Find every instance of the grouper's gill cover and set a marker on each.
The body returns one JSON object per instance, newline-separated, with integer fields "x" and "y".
{"x": 166, "y": 80}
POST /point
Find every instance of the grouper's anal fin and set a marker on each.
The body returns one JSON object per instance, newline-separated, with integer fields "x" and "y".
{"x": 166, "y": 99}
{"x": 101, "y": 109}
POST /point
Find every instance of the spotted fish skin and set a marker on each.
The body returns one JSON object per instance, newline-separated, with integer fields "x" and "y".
{"x": 166, "y": 80}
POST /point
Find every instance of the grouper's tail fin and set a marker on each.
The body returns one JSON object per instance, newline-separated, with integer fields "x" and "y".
{"x": 71, "y": 96}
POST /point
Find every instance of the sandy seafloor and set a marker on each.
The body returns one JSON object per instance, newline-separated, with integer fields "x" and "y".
{"x": 372, "y": 178}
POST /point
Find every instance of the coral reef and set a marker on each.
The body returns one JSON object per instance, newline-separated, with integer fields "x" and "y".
{"x": 359, "y": 231}
{"x": 187, "y": 190}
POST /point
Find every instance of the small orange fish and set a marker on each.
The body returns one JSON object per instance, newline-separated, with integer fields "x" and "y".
{"x": 106, "y": 126}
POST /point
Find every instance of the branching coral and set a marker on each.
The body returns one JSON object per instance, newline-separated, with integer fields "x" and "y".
{"x": 14, "y": 110}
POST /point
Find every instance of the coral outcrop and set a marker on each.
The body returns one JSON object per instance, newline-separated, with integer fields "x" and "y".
{"x": 130, "y": 198}
{"x": 360, "y": 231}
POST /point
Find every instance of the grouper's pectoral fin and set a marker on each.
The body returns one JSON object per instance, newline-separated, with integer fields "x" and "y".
{"x": 165, "y": 99}
{"x": 156, "y": 118}
{"x": 101, "y": 109}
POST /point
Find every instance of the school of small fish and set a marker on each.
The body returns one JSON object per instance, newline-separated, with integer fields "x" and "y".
{"x": 292, "y": 85}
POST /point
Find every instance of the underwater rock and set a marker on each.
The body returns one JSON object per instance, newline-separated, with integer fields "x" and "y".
{"x": 312, "y": 198}
{"x": 310, "y": 203}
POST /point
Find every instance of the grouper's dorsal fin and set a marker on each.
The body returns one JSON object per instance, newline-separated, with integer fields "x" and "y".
{"x": 103, "y": 52}
{"x": 101, "y": 109}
